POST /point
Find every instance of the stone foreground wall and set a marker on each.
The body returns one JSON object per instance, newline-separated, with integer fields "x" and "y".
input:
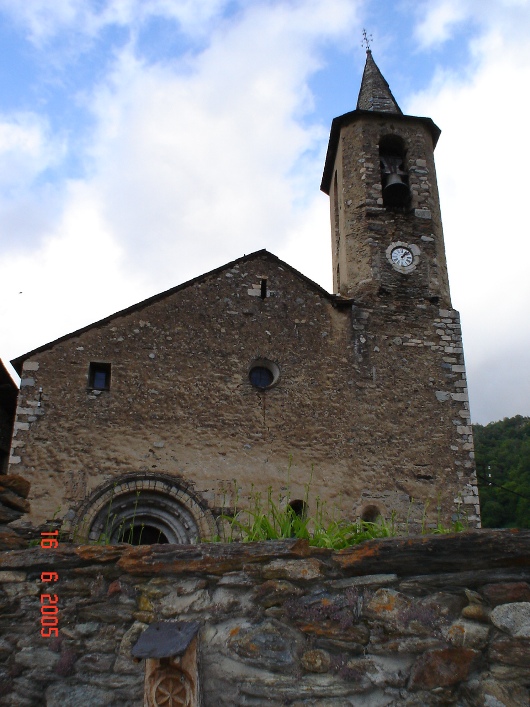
{"x": 438, "y": 620}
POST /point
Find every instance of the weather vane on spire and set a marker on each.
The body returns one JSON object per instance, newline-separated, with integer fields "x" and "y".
{"x": 367, "y": 38}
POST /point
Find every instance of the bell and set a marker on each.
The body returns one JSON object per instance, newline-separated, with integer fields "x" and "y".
{"x": 395, "y": 191}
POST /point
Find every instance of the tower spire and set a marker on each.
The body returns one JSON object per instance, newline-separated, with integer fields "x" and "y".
{"x": 375, "y": 93}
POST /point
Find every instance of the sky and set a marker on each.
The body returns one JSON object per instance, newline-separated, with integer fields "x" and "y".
{"x": 144, "y": 142}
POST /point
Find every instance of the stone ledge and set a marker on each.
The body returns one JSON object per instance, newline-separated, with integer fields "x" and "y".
{"x": 321, "y": 630}
{"x": 401, "y": 556}
{"x": 438, "y": 553}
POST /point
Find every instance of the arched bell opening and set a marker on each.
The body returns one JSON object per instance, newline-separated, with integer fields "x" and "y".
{"x": 145, "y": 509}
{"x": 394, "y": 174}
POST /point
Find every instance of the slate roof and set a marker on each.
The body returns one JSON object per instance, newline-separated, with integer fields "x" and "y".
{"x": 375, "y": 93}
{"x": 165, "y": 639}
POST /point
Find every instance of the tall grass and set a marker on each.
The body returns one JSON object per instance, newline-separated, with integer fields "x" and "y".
{"x": 268, "y": 519}
{"x": 273, "y": 520}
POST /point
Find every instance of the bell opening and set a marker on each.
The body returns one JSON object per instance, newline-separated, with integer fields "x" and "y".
{"x": 394, "y": 176}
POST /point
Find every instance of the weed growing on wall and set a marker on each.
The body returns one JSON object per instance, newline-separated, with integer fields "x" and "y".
{"x": 270, "y": 519}
{"x": 262, "y": 518}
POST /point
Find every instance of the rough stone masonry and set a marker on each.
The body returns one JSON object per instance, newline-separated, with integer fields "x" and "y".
{"x": 401, "y": 622}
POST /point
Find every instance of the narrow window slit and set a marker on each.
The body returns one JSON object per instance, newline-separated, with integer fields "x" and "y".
{"x": 99, "y": 376}
{"x": 263, "y": 288}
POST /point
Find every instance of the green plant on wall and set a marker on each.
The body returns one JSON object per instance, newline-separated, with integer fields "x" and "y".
{"x": 270, "y": 519}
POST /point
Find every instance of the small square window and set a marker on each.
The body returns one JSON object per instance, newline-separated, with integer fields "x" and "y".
{"x": 99, "y": 376}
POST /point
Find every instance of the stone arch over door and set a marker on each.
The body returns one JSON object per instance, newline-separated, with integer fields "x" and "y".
{"x": 145, "y": 508}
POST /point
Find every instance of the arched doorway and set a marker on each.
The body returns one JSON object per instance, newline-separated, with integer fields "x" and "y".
{"x": 145, "y": 509}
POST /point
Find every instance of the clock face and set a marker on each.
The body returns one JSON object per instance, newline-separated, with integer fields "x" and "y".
{"x": 402, "y": 257}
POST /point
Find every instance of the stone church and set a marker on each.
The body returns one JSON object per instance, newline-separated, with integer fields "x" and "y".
{"x": 253, "y": 378}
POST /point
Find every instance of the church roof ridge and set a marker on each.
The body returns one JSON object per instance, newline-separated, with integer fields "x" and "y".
{"x": 339, "y": 301}
{"x": 375, "y": 94}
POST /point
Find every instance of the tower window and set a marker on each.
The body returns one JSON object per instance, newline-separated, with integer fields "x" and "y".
{"x": 394, "y": 176}
{"x": 99, "y": 376}
{"x": 263, "y": 288}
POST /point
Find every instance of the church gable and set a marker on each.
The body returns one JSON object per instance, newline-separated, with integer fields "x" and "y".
{"x": 263, "y": 254}
{"x": 231, "y": 370}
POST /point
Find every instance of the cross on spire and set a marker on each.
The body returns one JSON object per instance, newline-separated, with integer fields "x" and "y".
{"x": 367, "y": 39}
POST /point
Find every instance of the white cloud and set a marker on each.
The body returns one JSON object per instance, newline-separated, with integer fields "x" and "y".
{"x": 51, "y": 290}
{"x": 308, "y": 246}
{"x": 44, "y": 20}
{"x": 28, "y": 205}
{"x": 438, "y": 19}
{"x": 191, "y": 164}
{"x": 482, "y": 163}
{"x": 26, "y": 150}
{"x": 210, "y": 151}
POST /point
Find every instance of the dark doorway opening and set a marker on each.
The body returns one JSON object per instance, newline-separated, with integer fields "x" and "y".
{"x": 145, "y": 535}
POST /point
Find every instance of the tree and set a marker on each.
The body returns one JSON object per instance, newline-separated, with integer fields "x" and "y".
{"x": 502, "y": 451}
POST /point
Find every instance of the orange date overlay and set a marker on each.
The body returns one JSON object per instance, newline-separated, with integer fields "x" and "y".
{"x": 48, "y": 602}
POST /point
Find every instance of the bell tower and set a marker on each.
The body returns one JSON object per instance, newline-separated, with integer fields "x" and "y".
{"x": 387, "y": 238}
{"x": 389, "y": 265}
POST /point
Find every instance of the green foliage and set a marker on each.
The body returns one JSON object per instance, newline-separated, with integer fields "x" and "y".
{"x": 269, "y": 521}
{"x": 502, "y": 451}
{"x": 274, "y": 520}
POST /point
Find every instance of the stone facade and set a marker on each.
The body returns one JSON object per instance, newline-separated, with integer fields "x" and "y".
{"x": 181, "y": 403}
{"x": 398, "y": 622}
